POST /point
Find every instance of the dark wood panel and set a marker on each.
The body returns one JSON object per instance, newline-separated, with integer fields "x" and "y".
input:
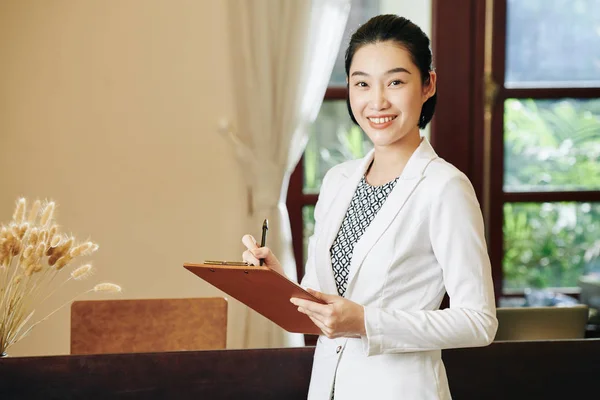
{"x": 525, "y": 370}
{"x": 509, "y": 370}
{"x": 499, "y": 42}
{"x": 226, "y": 374}
{"x": 496, "y": 212}
{"x": 294, "y": 205}
{"x": 336, "y": 93}
{"x": 310, "y": 199}
{"x": 496, "y": 217}
{"x": 477, "y": 157}
{"x": 452, "y": 45}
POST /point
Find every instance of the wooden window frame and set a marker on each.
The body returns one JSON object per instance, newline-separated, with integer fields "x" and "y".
{"x": 497, "y": 195}
{"x": 459, "y": 33}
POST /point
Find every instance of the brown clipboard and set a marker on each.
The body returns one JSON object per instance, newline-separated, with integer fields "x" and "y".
{"x": 262, "y": 289}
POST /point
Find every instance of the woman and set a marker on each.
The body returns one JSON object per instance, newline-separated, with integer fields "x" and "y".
{"x": 393, "y": 232}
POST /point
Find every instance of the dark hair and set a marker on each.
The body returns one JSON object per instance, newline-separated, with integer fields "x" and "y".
{"x": 383, "y": 28}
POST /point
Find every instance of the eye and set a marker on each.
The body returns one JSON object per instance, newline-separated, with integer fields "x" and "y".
{"x": 396, "y": 83}
{"x": 361, "y": 84}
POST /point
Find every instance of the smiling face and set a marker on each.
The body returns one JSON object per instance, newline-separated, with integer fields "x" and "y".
{"x": 386, "y": 93}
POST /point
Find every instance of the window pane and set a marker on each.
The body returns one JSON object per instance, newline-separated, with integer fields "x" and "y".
{"x": 551, "y": 145}
{"x": 553, "y": 43}
{"x": 333, "y": 139}
{"x": 550, "y": 244}
{"x": 360, "y": 12}
{"x": 308, "y": 216}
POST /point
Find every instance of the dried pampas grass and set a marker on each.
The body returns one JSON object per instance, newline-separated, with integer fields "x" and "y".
{"x": 33, "y": 252}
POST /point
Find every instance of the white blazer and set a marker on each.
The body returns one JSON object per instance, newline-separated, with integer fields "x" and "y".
{"x": 427, "y": 239}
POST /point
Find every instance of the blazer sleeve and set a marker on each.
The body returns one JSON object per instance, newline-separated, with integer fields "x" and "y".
{"x": 458, "y": 242}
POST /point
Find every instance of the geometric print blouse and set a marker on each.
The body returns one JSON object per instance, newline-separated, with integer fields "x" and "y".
{"x": 365, "y": 204}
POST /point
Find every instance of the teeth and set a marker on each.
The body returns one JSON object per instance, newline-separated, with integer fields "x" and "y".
{"x": 381, "y": 120}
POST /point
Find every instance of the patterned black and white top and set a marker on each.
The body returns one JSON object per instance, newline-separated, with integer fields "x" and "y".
{"x": 365, "y": 204}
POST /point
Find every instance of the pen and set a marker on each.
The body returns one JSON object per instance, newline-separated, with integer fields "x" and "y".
{"x": 263, "y": 241}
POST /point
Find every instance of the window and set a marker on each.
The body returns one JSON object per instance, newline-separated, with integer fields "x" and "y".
{"x": 521, "y": 117}
{"x": 545, "y": 143}
{"x": 551, "y": 155}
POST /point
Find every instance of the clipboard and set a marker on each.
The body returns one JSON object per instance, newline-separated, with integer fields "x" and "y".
{"x": 262, "y": 289}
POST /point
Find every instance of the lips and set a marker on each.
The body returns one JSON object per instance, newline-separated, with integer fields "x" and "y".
{"x": 381, "y": 122}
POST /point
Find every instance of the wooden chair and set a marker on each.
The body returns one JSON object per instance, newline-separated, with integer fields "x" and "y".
{"x": 148, "y": 325}
{"x": 541, "y": 323}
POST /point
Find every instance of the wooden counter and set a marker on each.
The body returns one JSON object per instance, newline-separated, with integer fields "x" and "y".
{"x": 510, "y": 370}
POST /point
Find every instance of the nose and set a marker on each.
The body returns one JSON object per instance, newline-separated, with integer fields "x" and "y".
{"x": 378, "y": 99}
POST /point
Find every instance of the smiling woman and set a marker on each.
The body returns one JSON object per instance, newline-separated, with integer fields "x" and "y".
{"x": 388, "y": 96}
{"x": 394, "y": 231}
{"x": 387, "y": 93}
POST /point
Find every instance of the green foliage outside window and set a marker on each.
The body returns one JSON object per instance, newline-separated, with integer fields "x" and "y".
{"x": 551, "y": 145}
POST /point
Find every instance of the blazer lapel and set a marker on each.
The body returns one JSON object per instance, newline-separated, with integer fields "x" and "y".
{"x": 408, "y": 181}
{"x": 335, "y": 217}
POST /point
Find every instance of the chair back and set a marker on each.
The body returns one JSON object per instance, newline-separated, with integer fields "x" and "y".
{"x": 148, "y": 325}
{"x": 541, "y": 323}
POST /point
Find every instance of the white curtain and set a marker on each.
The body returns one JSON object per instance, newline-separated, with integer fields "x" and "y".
{"x": 282, "y": 57}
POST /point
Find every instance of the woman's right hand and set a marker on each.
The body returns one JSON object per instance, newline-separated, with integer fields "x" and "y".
{"x": 254, "y": 254}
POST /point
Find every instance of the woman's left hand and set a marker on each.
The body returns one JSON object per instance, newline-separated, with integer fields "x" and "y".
{"x": 339, "y": 317}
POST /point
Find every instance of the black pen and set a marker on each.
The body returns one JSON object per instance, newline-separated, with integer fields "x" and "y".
{"x": 263, "y": 241}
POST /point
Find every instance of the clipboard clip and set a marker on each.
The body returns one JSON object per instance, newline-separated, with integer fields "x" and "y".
{"x": 233, "y": 263}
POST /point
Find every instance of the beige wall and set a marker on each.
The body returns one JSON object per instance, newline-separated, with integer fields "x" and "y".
{"x": 110, "y": 108}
